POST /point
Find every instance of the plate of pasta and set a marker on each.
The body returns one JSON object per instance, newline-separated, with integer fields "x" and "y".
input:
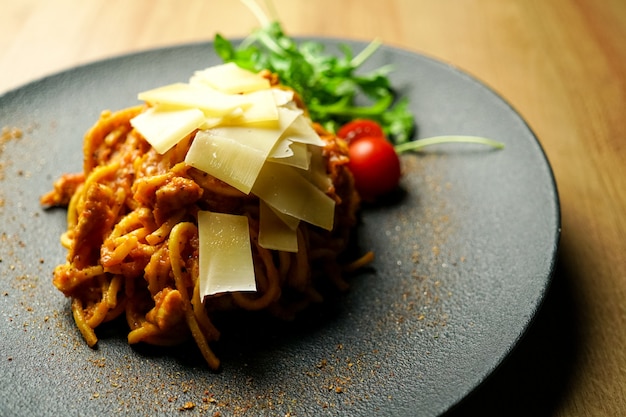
{"x": 463, "y": 252}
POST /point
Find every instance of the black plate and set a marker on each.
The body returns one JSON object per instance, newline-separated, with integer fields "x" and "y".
{"x": 463, "y": 260}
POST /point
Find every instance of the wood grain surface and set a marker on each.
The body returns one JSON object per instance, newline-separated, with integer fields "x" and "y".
{"x": 560, "y": 63}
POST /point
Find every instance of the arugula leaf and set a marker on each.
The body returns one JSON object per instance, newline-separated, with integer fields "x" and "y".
{"x": 332, "y": 86}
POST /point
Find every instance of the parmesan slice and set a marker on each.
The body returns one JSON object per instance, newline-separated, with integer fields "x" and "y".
{"x": 231, "y": 79}
{"x": 225, "y": 254}
{"x": 316, "y": 174}
{"x": 284, "y": 189}
{"x": 165, "y": 128}
{"x": 274, "y": 233}
{"x": 210, "y": 101}
{"x": 236, "y": 154}
{"x": 260, "y": 111}
{"x": 290, "y": 221}
{"x": 282, "y": 96}
{"x": 301, "y": 131}
{"x": 228, "y": 119}
{"x": 261, "y": 138}
{"x": 281, "y": 150}
{"x": 299, "y": 157}
{"x": 226, "y": 159}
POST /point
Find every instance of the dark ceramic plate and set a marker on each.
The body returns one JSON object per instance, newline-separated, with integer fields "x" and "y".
{"x": 463, "y": 260}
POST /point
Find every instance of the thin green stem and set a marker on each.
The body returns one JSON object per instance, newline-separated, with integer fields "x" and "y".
{"x": 257, "y": 11}
{"x": 365, "y": 53}
{"x": 419, "y": 144}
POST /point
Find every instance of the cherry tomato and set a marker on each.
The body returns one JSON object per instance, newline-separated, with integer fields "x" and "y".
{"x": 360, "y": 128}
{"x": 375, "y": 166}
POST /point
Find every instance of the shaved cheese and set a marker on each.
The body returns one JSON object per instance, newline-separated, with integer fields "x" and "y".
{"x": 230, "y": 78}
{"x": 226, "y": 159}
{"x": 165, "y": 128}
{"x": 290, "y": 193}
{"x": 209, "y": 100}
{"x": 316, "y": 174}
{"x": 300, "y": 155}
{"x": 225, "y": 254}
{"x": 282, "y": 97}
{"x": 281, "y": 150}
{"x": 301, "y": 131}
{"x": 274, "y": 233}
{"x": 261, "y": 138}
{"x": 261, "y": 110}
{"x": 290, "y": 221}
{"x": 236, "y": 154}
{"x": 227, "y": 119}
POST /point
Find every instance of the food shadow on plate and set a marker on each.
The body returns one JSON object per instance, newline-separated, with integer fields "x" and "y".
{"x": 246, "y": 335}
{"x": 393, "y": 198}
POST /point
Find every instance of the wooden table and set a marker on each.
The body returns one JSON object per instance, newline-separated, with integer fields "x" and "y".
{"x": 562, "y": 64}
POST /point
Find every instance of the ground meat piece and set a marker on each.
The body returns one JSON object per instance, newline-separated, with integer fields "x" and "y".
{"x": 175, "y": 194}
{"x": 166, "y": 193}
{"x": 64, "y": 189}
{"x": 168, "y": 310}
{"x": 94, "y": 221}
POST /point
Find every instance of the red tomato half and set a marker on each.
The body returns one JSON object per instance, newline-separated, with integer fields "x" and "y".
{"x": 375, "y": 166}
{"x": 360, "y": 128}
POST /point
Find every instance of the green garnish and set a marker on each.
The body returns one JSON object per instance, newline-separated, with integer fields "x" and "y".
{"x": 328, "y": 84}
{"x": 419, "y": 144}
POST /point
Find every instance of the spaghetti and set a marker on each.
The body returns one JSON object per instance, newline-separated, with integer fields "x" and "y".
{"x": 132, "y": 240}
